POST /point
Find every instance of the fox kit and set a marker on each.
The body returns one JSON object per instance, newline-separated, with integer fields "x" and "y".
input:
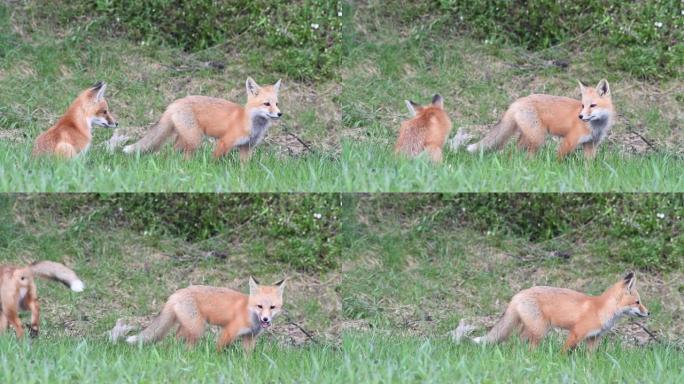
{"x": 583, "y": 122}
{"x": 190, "y": 118}
{"x": 536, "y": 309}
{"x": 238, "y": 314}
{"x": 426, "y": 131}
{"x": 72, "y": 134}
{"x": 18, "y": 292}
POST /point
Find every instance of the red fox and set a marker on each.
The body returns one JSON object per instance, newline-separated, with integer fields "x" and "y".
{"x": 191, "y": 118}
{"x": 426, "y": 131}
{"x": 584, "y": 122}
{"x": 537, "y": 309}
{"x": 239, "y": 314}
{"x": 18, "y": 292}
{"x": 72, "y": 134}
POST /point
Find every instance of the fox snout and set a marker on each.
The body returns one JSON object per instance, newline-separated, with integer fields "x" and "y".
{"x": 265, "y": 321}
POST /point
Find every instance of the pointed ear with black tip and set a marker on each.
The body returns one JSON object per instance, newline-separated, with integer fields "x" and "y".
{"x": 98, "y": 90}
{"x": 582, "y": 87}
{"x": 412, "y": 107}
{"x": 629, "y": 281}
{"x": 252, "y": 87}
{"x": 276, "y": 86}
{"x": 281, "y": 286}
{"x": 603, "y": 88}
{"x": 253, "y": 286}
{"x": 438, "y": 101}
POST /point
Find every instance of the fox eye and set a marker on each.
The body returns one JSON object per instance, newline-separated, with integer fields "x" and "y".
{"x": 23, "y": 278}
{"x": 592, "y": 105}
{"x": 267, "y": 104}
{"x": 582, "y": 106}
{"x": 260, "y": 306}
{"x": 272, "y": 306}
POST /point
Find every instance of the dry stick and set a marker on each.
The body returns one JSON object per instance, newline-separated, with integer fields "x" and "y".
{"x": 290, "y": 321}
{"x": 632, "y": 129}
{"x": 300, "y": 141}
{"x": 647, "y": 331}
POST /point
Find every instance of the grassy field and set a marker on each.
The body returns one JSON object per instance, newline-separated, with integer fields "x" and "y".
{"x": 348, "y": 123}
{"x": 370, "y": 358}
{"x": 383, "y": 315}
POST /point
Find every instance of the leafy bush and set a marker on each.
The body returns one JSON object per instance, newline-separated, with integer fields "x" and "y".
{"x": 299, "y": 230}
{"x": 298, "y": 38}
{"x": 645, "y": 38}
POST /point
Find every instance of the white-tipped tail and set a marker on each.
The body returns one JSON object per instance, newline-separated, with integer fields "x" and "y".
{"x": 157, "y": 329}
{"x": 77, "y": 286}
{"x": 472, "y": 148}
{"x": 459, "y": 139}
{"x": 58, "y": 272}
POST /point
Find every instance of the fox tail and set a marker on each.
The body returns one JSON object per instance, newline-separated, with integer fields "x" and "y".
{"x": 58, "y": 272}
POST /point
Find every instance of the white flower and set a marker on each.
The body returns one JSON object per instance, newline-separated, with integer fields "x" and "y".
{"x": 339, "y": 14}
{"x": 658, "y": 24}
{"x": 660, "y": 215}
{"x": 314, "y": 26}
{"x": 317, "y": 216}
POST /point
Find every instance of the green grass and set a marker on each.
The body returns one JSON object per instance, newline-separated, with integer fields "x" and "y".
{"x": 359, "y": 168}
{"x": 370, "y": 358}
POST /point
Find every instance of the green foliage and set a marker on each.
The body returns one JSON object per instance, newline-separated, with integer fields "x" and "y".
{"x": 644, "y": 230}
{"x": 298, "y": 230}
{"x": 644, "y": 38}
{"x": 298, "y": 38}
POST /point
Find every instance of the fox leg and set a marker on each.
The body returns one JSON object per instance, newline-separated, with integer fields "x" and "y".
{"x": 435, "y": 153}
{"x": 571, "y": 342}
{"x": 15, "y": 323}
{"x": 592, "y": 343}
{"x": 225, "y": 144}
{"x": 3, "y": 322}
{"x": 65, "y": 150}
{"x": 248, "y": 342}
{"x": 590, "y": 150}
{"x": 189, "y": 135}
{"x": 191, "y": 326}
{"x": 532, "y": 133}
{"x": 534, "y": 327}
{"x": 35, "y": 317}
{"x": 228, "y": 335}
{"x": 567, "y": 145}
{"x": 245, "y": 152}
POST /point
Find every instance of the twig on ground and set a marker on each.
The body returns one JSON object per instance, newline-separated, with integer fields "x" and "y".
{"x": 292, "y": 322}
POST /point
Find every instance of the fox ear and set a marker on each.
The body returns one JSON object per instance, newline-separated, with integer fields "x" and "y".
{"x": 252, "y": 87}
{"x": 582, "y": 86}
{"x": 411, "y": 107}
{"x": 253, "y": 285}
{"x": 629, "y": 281}
{"x": 438, "y": 101}
{"x": 276, "y": 86}
{"x": 98, "y": 90}
{"x": 603, "y": 88}
{"x": 281, "y": 286}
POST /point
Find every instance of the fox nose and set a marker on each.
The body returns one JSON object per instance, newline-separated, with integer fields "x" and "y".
{"x": 581, "y": 116}
{"x": 265, "y": 319}
{"x": 280, "y": 114}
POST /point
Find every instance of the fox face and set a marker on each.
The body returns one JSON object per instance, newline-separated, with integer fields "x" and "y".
{"x": 630, "y": 302}
{"x": 417, "y": 109}
{"x": 97, "y": 110}
{"x": 596, "y": 102}
{"x": 265, "y": 301}
{"x": 263, "y": 101}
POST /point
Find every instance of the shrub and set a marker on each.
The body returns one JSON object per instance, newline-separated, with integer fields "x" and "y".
{"x": 301, "y": 39}
{"x": 645, "y": 38}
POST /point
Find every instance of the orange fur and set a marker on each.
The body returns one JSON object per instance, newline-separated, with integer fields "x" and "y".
{"x": 18, "y": 292}
{"x": 583, "y": 122}
{"x": 72, "y": 135}
{"x": 536, "y": 309}
{"x": 426, "y": 131}
{"x": 238, "y": 314}
{"x": 191, "y": 118}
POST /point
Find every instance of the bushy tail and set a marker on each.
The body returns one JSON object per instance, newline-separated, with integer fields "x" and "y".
{"x": 497, "y": 137}
{"x": 58, "y": 272}
{"x": 153, "y": 139}
{"x": 502, "y": 329}
{"x": 157, "y": 329}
